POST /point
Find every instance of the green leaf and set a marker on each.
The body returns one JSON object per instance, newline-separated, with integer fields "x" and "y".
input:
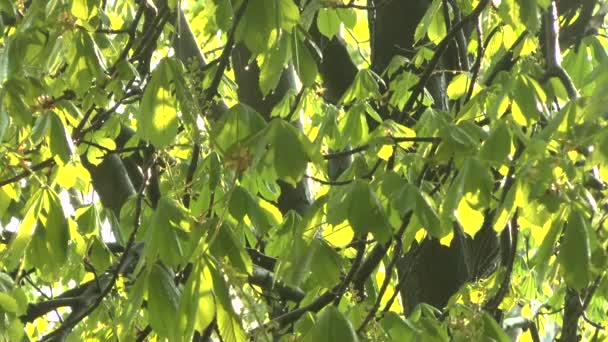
{"x": 436, "y": 29}
{"x": 457, "y": 138}
{"x": 25, "y": 231}
{"x": 530, "y": 15}
{"x": 288, "y": 151}
{"x": 228, "y": 322}
{"x": 60, "y": 141}
{"x": 240, "y": 202}
{"x": 348, "y": 16}
{"x": 498, "y": 146}
{"x": 526, "y": 105}
{"x": 163, "y": 301}
{"x": 328, "y": 22}
{"x": 288, "y": 14}
{"x": 236, "y": 125}
{"x": 82, "y": 8}
{"x": 428, "y": 217}
{"x": 274, "y": 64}
{"x": 365, "y": 212}
{"x": 332, "y": 326}
{"x": 88, "y": 219}
{"x": 363, "y": 87}
{"x": 8, "y": 303}
{"x": 458, "y": 86}
{"x": 157, "y": 118}
{"x": 493, "y": 329}
{"x": 169, "y": 227}
{"x": 135, "y": 294}
{"x": 57, "y": 230}
{"x": 455, "y": 193}
{"x": 540, "y": 260}
{"x": 41, "y": 127}
{"x": 229, "y": 326}
{"x": 399, "y": 329}
{"x": 304, "y": 63}
{"x": 261, "y": 18}
{"x": 574, "y": 252}
{"x": 326, "y": 264}
{"x": 401, "y": 194}
{"x": 197, "y": 303}
{"x": 427, "y": 21}
{"x": 99, "y": 255}
{"x": 227, "y": 244}
{"x": 355, "y": 130}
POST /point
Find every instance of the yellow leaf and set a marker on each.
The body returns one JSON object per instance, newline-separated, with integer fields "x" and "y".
{"x": 470, "y": 219}
{"x": 446, "y": 240}
{"x": 385, "y": 152}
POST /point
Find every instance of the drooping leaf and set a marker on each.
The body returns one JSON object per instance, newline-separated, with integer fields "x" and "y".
{"x": 458, "y": 86}
{"x": 332, "y": 326}
{"x": 288, "y": 151}
{"x": 428, "y": 217}
{"x": 498, "y": 146}
{"x": 163, "y": 301}
{"x": 26, "y": 230}
{"x": 157, "y": 119}
{"x": 427, "y": 22}
{"x": 274, "y": 64}
{"x": 169, "y": 227}
{"x": 304, "y": 63}
{"x": 363, "y": 87}
{"x": 574, "y": 252}
{"x": 228, "y": 323}
{"x": 59, "y": 139}
{"x": 328, "y": 22}
{"x": 236, "y": 125}
{"x": 227, "y": 244}
{"x": 366, "y": 214}
{"x": 197, "y": 303}
{"x": 326, "y": 264}
{"x": 57, "y": 231}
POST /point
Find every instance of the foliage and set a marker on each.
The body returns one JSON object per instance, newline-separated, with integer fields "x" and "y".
{"x": 320, "y": 170}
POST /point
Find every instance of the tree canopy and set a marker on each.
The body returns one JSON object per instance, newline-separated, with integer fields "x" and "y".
{"x": 303, "y": 170}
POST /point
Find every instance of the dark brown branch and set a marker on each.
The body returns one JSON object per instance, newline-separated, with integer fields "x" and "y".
{"x": 28, "y": 171}
{"x": 393, "y": 140}
{"x": 39, "y": 309}
{"x": 265, "y": 279}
